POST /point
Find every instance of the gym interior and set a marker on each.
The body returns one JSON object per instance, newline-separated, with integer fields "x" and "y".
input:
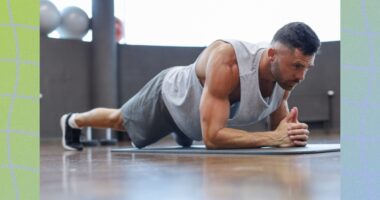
{"x": 79, "y": 75}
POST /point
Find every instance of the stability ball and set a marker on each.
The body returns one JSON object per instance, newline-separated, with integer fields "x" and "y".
{"x": 50, "y": 18}
{"x": 75, "y": 23}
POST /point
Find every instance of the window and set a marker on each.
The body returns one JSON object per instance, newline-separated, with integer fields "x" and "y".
{"x": 199, "y": 22}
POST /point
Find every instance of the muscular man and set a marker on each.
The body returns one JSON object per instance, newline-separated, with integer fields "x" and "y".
{"x": 230, "y": 85}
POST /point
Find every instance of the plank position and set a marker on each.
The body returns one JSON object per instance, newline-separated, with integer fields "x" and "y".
{"x": 231, "y": 84}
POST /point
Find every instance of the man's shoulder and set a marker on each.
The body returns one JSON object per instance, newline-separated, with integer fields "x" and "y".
{"x": 220, "y": 51}
{"x": 235, "y": 45}
{"x": 221, "y": 45}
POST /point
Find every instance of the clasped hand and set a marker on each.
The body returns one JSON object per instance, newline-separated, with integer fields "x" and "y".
{"x": 291, "y": 132}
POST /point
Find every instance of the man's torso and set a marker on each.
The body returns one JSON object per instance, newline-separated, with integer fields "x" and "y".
{"x": 182, "y": 90}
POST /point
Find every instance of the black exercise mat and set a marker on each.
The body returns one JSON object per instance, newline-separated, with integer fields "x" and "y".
{"x": 200, "y": 149}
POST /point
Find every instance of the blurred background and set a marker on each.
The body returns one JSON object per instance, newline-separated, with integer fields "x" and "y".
{"x": 97, "y": 53}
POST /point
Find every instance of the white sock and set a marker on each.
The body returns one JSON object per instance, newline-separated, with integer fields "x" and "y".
{"x": 72, "y": 123}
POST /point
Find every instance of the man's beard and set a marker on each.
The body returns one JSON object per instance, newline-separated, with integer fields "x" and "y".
{"x": 286, "y": 85}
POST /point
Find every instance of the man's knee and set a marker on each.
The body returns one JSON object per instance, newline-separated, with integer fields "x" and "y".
{"x": 116, "y": 119}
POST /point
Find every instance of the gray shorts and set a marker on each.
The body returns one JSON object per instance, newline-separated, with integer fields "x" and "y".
{"x": 145, "y": 115}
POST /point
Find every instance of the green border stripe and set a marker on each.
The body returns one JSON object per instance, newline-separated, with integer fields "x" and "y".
{"x": 19, "y": 99}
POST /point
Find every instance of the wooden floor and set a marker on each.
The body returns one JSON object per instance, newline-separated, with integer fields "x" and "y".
{"x": 96, "y": 173}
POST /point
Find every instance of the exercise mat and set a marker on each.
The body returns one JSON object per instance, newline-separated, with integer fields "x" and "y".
{"x": 201, "y": 149}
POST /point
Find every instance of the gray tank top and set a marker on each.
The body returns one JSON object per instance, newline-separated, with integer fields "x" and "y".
{"x": 181, "y": 92}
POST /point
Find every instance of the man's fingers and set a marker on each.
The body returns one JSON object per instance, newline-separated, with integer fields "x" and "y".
{"x": 299, "y": 137}
{"x": 297, "y": 126}
{"x": 298, "y": 132}
{"x": 300, "y": 143}
{"x": 295, "y": 116}
{"x": 290, "y": 117}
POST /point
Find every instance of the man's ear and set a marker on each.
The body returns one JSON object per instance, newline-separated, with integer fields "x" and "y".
{"x": 271, "y": 54}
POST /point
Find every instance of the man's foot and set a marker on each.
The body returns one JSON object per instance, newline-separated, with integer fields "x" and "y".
{"x": 182, "y": 139}
{"x": 70, "y": 136}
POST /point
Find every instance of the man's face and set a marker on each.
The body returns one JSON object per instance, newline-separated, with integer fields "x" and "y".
{"x": 289, "y": 67}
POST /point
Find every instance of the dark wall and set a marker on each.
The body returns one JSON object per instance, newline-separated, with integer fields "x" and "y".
{"x": 66, "y": 65}
{"x": 65, "y": 81}
{"x": 315, "y": 106}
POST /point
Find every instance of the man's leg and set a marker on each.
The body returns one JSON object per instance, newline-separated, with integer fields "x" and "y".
{"x": 100, "y": 118}
{"x": 181, "y": 139}
{"x": 71, "y": 124}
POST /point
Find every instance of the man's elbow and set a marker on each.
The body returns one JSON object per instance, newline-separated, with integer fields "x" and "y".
{"x": 210, "y": 144}
{"x": 210, "y": 141}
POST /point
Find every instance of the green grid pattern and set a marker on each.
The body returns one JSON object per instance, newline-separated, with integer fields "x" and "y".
{"x": 19, "y": 99}
{"x": 360, "y": 35}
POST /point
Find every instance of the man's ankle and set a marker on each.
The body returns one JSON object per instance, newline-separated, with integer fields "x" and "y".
{"x": 72, "y": 122}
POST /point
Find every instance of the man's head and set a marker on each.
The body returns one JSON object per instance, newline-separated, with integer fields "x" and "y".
{"x": 292, "y": 53}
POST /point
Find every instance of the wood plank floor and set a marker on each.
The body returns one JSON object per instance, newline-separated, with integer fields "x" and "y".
{"x": 96, "y": 173}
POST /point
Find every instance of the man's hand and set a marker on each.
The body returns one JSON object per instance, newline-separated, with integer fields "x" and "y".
{"x": 291, "y": 132}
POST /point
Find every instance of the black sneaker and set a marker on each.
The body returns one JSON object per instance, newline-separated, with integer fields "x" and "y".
{"x": 70, "y": 136}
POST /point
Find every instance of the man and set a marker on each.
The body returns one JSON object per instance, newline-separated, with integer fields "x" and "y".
{"x": 231, "y": 84}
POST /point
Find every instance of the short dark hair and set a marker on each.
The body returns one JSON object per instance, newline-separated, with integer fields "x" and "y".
{"x": 298, "y": 35}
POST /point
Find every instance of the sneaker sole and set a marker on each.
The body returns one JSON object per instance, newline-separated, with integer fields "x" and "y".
{"x": 63, "y": 128}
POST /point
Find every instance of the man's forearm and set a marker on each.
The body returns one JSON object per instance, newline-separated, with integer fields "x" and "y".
{"x": 278, "y": 115}
{"x": 229, "y": 138}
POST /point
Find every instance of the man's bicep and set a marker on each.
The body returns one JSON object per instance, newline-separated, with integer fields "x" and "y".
{"x": 221, "y": 79}
{"x": 214, "y": 112}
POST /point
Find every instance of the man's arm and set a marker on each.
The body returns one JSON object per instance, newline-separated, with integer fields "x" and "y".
{"x": 281, "y": 112}
{"x": 222, "y": 77}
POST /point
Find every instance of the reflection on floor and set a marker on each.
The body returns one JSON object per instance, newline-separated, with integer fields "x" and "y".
{"x": 96, "y": 173}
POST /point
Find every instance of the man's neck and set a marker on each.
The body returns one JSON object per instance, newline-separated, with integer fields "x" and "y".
{"x": 266, "y": 79}
{"x": 265, "y": 73}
